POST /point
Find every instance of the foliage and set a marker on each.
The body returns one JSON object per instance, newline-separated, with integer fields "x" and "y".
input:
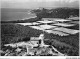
{"x": 57, "y": 13}
{"x": 12, "y": 33}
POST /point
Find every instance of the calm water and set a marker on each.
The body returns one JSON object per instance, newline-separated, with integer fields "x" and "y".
{"x": 15, "y": 14}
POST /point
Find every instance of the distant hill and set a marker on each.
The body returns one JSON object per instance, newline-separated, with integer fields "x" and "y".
{"x": 56, "y": 13}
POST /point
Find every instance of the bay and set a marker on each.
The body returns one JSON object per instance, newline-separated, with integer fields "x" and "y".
{"x": 15, "y": 14}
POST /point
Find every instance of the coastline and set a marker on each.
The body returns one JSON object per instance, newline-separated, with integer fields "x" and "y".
{"x": 29, "y": 18}
{"x": 14, "y": 15}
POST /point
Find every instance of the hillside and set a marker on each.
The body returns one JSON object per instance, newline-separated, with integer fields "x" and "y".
{"x": 56, "y": 13}
{"x": 12, "y": 33}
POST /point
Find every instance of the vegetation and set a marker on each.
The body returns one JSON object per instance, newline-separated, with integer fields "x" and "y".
{"x": 56, "y": 13}
{"x": 12, "y": 33}
{"x": 63, "y": 47}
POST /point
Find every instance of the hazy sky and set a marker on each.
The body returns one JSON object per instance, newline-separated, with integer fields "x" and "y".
{"x": 38, "y": 3}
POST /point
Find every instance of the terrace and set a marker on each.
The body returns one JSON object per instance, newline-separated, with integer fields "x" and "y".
{"x": 57, "y": 32}
{"x": 25, "y": 24}
{"x": 52, "y": 25}
{"x": 74, "y": 18}
{"x": 70, "y": 31}
{"x": 63, "y": 24}
{"x": 55, "y": 19}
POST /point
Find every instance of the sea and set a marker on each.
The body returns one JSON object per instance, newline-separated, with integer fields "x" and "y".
{"x": 15, "y": 14}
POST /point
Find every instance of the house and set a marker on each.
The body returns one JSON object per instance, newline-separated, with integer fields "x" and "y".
{"x": 38, "y": 40}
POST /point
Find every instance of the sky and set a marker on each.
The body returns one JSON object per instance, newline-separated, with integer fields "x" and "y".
{"x": 30, "y": 4}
